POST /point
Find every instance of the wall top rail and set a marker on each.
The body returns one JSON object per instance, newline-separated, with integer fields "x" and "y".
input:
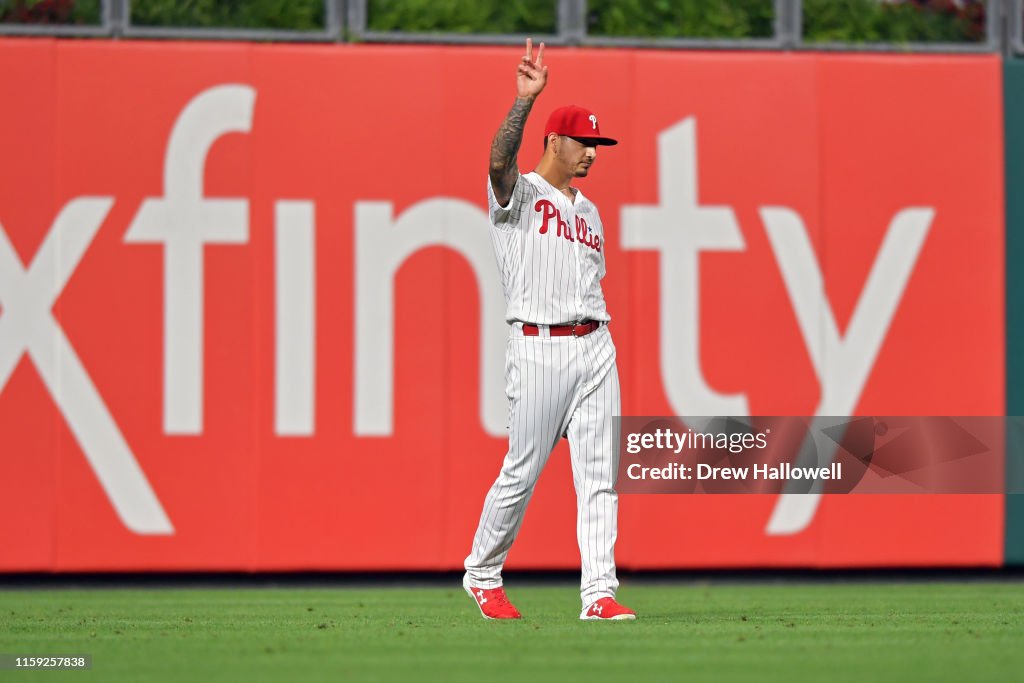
{"x": 349, "y": 21}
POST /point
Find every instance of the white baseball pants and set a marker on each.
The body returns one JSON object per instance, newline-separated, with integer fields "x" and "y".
{"x": 556, "y": 385}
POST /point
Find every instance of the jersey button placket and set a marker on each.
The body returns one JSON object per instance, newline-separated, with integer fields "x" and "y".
{"x": 579, "y": 269}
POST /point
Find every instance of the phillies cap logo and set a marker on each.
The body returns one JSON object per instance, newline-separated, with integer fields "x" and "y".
{"x": 593, "y": 121}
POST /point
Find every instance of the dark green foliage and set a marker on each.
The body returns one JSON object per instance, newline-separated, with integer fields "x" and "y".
{"x": 847, "y": 21}
{"x": 682, "y": 18}
{"x": 870, "y": 21}
{"x": 302, "y": 15}
{"x": 462, "y": 16}
{"x": 76, "y": 12}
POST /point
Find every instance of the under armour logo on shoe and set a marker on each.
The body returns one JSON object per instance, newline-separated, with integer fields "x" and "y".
{"x": 480, "y": 597}
{"x": 606, "y": 609}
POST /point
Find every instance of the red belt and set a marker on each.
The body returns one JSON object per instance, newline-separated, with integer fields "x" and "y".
{"x": 576, "y": 330}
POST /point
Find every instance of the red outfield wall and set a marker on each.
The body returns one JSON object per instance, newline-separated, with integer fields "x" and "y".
{"x": 787, "y": 234}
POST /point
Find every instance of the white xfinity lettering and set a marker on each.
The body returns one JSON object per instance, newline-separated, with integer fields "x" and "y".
{"x": 294, "y": 318}
{"x": 843, "y": 365}
{"x": 27, "y": 325}
{"x": 383, "y": 243}
{"x": 183, "y": 221}
{"x": 679, "y": 229}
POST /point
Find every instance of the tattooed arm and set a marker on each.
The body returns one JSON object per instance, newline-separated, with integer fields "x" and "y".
{"x": 531, "y": 77}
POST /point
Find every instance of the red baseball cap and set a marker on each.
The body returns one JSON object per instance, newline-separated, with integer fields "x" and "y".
{"x": 576, "y": 122}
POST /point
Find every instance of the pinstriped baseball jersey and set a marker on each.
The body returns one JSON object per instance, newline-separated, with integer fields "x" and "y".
{"x": 550, "y": 252}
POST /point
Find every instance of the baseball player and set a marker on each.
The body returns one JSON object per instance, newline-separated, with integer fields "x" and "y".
{"x": 560, "y": 375}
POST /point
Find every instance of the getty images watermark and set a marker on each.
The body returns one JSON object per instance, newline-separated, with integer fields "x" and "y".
{"x": 776, "y": 455}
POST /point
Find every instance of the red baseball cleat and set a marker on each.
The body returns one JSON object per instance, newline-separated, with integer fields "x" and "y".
{"x": 607, "y": 609}
{"x": 493, "y": 602}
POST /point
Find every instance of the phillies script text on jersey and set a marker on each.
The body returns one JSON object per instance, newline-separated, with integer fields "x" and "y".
{"x": 584, "y": 235}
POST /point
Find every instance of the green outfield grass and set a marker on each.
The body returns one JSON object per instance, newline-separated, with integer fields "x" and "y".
{"x": 775, "y": 632}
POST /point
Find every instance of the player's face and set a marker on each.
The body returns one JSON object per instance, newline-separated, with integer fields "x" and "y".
{"x": 577, "y": 155}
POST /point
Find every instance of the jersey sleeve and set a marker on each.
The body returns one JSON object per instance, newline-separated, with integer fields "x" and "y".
{"x": 516, "y": 211}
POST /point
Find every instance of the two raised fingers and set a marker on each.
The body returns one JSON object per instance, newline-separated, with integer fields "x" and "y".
{"x": 528, "y": 57}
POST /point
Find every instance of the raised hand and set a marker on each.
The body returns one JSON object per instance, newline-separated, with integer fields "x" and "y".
{"x": 532, "y": 75}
